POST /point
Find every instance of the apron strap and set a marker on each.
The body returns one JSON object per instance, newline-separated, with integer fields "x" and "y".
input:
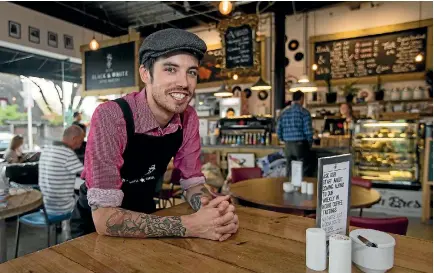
{"x": 128, "y": 116}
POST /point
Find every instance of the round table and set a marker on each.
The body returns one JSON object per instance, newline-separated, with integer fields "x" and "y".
{"x": 17, "y": 204}
{"x": 267, "y": 193}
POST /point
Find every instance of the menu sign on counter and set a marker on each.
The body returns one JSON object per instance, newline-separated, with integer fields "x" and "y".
{"x": 239, "y": 47}
{"x": 110, "y": 67}
{"x": 389, "y": 53}
{"x": 334, "y": 188}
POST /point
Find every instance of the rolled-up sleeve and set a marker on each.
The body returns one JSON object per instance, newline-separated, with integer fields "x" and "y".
{"x": 103, "y": 159}
{"x": 187, "y": 160}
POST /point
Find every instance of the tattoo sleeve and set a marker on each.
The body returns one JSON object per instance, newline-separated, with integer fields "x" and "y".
{"x": 124, "y": 223}
{"x": 195, "y": 198}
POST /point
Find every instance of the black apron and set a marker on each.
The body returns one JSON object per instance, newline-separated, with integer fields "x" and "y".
{"x": 145, "y": 162}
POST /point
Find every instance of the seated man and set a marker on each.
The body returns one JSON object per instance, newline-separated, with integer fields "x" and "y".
{"x": 58, "y": 167}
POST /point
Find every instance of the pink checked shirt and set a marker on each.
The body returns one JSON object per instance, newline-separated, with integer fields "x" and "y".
{"x": 107, "y": 140}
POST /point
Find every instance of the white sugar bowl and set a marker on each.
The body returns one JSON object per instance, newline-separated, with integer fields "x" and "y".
{"x": 372, "y": 259}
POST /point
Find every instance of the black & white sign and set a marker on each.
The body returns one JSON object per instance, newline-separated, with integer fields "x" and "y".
{"x": 110, "y": 67}
{"x": 334, "y": 188}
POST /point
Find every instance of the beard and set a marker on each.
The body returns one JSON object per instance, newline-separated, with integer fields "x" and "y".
{"x": 168, "y": 103}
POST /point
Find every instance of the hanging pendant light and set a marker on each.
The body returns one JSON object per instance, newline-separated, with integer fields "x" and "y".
{"x": 94, "y": 45}
{"x": 303, "y": 85}
{"x": 223, "y": 92}
{"x": 260, "y": 85}
{"x": 419, "y": 58}
{"x": 225, "y": 7}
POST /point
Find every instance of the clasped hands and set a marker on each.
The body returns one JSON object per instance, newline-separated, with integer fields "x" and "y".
{"x": 215, "y": 220}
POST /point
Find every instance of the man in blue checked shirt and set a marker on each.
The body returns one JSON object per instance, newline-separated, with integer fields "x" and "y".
{"x": 294, "y": 127}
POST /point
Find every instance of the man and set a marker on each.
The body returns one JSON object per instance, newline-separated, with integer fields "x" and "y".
{"x": 295, "y": 129}
{"x": 77, "y": 121}
{"x": 58, "y": 167}
{"x": 230, "y": 112}
{"x": 131, "y": 142}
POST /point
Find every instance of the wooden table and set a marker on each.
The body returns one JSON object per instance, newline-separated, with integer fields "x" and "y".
{"x": 17, "y": 204}
{"x": 266, "y": 242}
{"x": 267, "y": 193}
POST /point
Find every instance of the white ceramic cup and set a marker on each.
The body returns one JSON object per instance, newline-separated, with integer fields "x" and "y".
{"x": 310, "y": 188}
{"x": 288, "y": 187}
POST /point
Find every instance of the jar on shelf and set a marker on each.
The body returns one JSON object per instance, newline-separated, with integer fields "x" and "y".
{"x": 396, "y": 94}
{"x": 419, "y": 93}
{"x": 407, "y": 93}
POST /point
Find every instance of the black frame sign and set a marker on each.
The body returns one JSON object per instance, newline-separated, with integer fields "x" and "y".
{"x": 239, "y": 51}
{"x": 334, "y": 194}
{"x": 110, "y": 67}
{"x": 373, "y": 55}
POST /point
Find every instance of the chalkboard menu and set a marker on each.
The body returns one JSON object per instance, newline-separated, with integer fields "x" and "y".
{"x": 390, "y": 53}
{"x": 239, "y": 47}
{"x": 110, "y": 67}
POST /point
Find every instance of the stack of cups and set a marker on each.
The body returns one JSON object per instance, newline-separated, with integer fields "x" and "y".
{"x": 316, "y": 252}
{"x": 340, "y": 254}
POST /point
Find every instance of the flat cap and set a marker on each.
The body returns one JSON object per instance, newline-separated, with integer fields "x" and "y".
{"x": 171, "y": 40}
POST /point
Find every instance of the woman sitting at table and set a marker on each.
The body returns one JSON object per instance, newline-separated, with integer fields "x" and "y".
{"x": 14, "y": 154}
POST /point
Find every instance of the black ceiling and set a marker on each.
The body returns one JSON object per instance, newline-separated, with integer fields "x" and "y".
{"x": 113, "y": 18}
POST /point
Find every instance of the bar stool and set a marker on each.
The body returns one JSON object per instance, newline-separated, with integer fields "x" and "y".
{"x": 39, "y": 219}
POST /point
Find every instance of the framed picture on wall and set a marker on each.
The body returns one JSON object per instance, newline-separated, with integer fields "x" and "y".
{"x": 52, "y": 39}
{"x": 14, "y": 30}
{"x": 240, "y": 160}
{"x": 68, "y": 41}
{"x": 34, "y": 35}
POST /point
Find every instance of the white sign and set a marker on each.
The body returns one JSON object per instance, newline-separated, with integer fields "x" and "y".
{"x": 398, "y": 202}
{"x": 334, "y": 194}
{"x": 296, "y": 173}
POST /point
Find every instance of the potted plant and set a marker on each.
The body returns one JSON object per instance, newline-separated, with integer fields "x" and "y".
{"x": 331, "y": 96}
{"x": 349, "y": 90}
{"x": 379, "y": 90}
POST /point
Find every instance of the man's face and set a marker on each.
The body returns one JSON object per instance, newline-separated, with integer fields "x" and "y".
{"x": 173, "y": 82}
{"x": 78, "y": 118}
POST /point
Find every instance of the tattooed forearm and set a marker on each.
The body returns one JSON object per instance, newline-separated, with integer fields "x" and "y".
{"x": 124, "y": 223}
{"x": 194, "y": 200}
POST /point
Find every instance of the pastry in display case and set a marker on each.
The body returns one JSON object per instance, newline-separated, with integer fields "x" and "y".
{"x": 387, "y": 151}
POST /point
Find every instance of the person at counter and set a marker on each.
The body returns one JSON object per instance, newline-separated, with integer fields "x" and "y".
{"x": 132, "y": 141}
{"x": 294, "y": 127}
{"x": 230, "y": 112}
{"x": 346, "y": 111}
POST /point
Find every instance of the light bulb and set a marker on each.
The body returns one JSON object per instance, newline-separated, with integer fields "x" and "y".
{"x": 225, "y": 7}
{"x": 235, "y": 77}
{"x": 314, "y": 67}
{"x": 94, "y": 45}
{"x": 418, "y": 58}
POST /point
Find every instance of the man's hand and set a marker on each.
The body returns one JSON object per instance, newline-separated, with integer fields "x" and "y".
{"x": 214, "y": 221}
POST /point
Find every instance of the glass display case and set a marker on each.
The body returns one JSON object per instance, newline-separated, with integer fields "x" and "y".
{"x": 387, "y": 151}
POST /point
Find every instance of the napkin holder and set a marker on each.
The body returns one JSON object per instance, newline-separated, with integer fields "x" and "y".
{"x": 371, "y": 259}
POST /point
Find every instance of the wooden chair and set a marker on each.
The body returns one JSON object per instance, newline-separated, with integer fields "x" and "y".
{"x": 396, "y": 225}
{"x": 239, "y": 174}
{"x": 169, "y": 192}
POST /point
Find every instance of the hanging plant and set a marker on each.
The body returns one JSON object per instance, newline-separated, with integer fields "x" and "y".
{"x": 331, "y": 96}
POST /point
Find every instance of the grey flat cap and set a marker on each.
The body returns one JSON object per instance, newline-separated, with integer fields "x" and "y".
{"x": 170, "y": 40}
